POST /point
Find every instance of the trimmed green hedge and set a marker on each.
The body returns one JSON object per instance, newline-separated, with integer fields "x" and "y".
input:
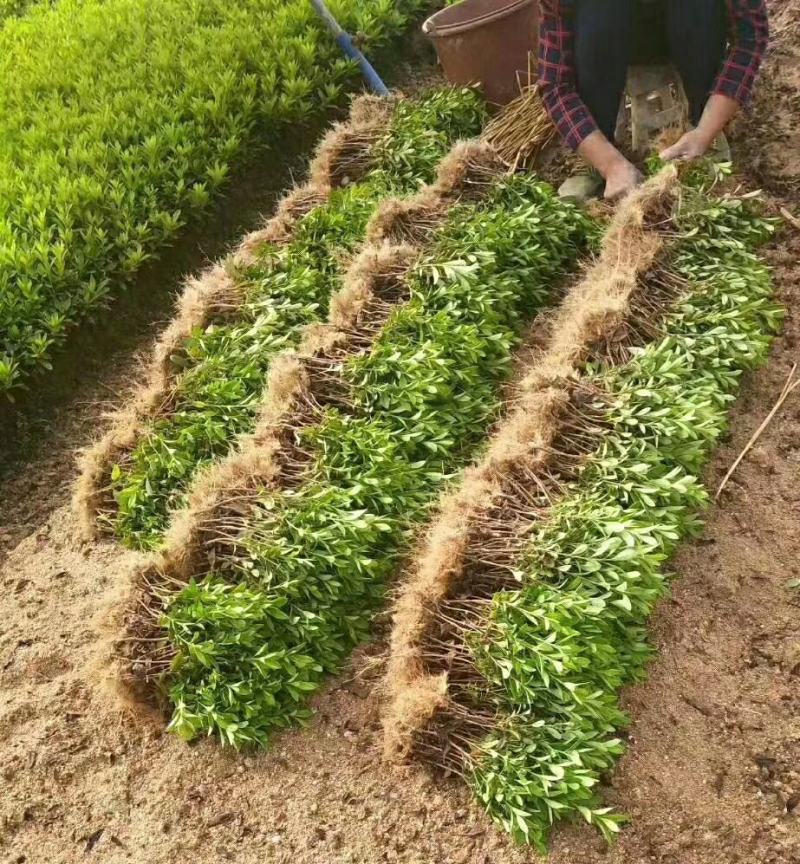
{"x": 121, "y": 119}
{"x": 13, "y": 8}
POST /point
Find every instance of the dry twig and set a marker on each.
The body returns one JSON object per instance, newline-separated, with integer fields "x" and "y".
{"x": 788, "y": 217}
{"x": 792, "y": 384}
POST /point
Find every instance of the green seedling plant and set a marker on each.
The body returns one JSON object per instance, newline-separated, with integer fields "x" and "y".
{"x": 16, "y": 8}
{"x": 121, "y": 120}
{"x": 554, "y": 653}
{"x": 257, "y": 636}
{"x": 220, "y": 388}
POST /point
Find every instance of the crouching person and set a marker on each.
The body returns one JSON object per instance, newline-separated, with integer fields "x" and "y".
{"x": 586, "y": 47}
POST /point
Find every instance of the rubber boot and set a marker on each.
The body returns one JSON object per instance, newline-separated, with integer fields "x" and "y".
{"x": 721, "y": 150}
{"x": 581, "y": 187}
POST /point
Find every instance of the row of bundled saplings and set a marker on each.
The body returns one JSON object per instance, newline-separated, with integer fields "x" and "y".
{"x": 121, "y": 120}
{"x": 420, "y": 329}
{"x": 372, "y": 325}
{"x": 207, "y": 377}
{"x": 526, "y": 610}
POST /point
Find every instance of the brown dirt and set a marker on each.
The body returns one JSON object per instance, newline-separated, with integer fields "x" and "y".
{"x": 713, "y": 773}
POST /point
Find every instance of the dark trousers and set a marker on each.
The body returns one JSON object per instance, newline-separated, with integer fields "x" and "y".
{"x": 610, "y": 35}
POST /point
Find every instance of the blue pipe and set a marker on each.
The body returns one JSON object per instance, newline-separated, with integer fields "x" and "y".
{"x": 345, "y": 42}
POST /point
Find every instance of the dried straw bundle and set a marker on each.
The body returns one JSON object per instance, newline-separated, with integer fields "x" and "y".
{"x": 522, "y": 130}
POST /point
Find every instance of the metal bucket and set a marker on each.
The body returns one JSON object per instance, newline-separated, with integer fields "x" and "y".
{"x": 486, "y": 42}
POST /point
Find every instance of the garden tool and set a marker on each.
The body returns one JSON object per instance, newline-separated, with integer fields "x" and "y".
{"x": 345, "y": 42}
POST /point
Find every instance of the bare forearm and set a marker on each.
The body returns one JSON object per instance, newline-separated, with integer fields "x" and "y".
{"x": 719, "y": 111}
{"x": 598, "y": 151}
{"x": 620, "y": 175}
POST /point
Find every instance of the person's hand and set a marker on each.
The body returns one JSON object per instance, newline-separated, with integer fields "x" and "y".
{"x": 691, "y": 146}
{"x": 621, "y": 178}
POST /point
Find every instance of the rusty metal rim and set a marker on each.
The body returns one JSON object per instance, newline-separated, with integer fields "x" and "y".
{"x": 434, "y": 30}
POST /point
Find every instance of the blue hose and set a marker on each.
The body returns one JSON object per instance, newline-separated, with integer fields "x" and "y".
{"x": 345, "y": 42}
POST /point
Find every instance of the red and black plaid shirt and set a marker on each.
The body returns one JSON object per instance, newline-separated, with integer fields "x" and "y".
{"x": 748, "y": 42}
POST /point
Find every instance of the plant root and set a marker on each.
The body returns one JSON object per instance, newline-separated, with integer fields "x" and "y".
{"x": 472, "y": 544}
{"x": 344, "y": 154}
{"x": 521, "y": 131}
{"x": 300, "y": 384}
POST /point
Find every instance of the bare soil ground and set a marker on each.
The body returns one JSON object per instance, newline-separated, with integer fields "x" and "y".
{"x": 713, "y": 771}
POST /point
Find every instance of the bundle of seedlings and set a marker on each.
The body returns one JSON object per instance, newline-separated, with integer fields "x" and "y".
{"x": 527, "y": 610}
{"x": 368, "y": 419}
{"x": 207, "y": 376}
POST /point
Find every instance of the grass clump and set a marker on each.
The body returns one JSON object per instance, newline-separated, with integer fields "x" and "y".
{"x": 218, "y": 394}
{"x": 552, "y": 655}
{"x": 259, "y": 634}
{"x": 120, "y": 120}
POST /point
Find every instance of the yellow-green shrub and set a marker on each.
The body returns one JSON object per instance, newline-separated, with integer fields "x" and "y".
{"x": 120, "y": 119}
